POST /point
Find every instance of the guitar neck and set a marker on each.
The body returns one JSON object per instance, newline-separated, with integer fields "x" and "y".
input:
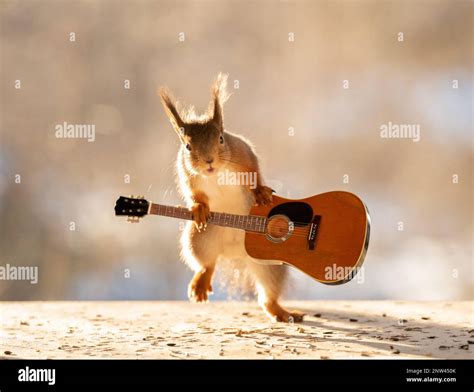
{"x": 244, "y": 222}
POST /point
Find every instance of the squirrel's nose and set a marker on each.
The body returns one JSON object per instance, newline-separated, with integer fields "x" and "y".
{"x": 210, "y": 161}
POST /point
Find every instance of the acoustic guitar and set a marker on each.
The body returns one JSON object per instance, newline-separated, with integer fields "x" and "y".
{"x": 326, "y": 236}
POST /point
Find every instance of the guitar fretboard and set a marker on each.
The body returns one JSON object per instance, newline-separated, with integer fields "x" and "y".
{"x": 245, "y": 222}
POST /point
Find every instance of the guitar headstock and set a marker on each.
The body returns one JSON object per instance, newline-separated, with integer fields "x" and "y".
{"x": 133, "y": 207}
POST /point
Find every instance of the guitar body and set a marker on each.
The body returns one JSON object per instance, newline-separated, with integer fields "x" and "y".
{"x": 326, "y": 235}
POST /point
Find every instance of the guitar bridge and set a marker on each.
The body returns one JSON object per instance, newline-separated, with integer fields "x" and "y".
{"x": 313, "y": 231}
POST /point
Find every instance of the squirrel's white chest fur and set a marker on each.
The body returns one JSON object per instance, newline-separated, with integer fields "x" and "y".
{"x": 233, "y": 199}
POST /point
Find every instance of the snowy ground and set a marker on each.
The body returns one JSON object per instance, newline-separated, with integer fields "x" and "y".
{"x": 331, "y": 329}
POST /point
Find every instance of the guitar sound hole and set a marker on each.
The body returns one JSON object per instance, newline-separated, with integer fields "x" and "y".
{"x": 279, "y": 228}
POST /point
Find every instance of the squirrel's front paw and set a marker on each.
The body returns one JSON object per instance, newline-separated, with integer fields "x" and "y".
{"x": 201, "y": 214}
{"x": 263, "y": 195}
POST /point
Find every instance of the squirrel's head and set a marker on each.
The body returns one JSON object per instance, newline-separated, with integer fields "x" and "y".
{"x": 202, "y": 137}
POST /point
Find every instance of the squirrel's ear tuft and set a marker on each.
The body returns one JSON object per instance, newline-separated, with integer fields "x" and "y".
{"x": 171, "y": 110}
{"x": 219, "y": 97}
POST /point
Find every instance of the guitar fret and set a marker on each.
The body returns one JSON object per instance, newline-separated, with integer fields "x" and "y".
{"x": 262, "y": 225}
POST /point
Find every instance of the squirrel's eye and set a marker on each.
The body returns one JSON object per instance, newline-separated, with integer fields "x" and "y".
{"x": 188, "y": 147}
{"x": 221, "y": 139}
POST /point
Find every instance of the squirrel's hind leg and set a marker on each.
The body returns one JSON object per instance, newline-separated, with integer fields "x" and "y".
{"x": 200, "y": 251}
{"x": 269, "y": 282}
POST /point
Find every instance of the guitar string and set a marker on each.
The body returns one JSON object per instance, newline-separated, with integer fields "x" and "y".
{"x": 245, "y": 216}
{"x": 298, "y": 232}
{"x": 187, "y": 211}
{"x": 295, "y": 230}
{"x": 301, "y": 232}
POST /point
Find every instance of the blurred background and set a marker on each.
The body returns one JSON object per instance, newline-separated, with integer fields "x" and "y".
{"x": 282, "y": 84}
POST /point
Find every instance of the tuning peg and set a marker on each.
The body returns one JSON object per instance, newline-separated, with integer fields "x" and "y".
{"x": 133, "y": 219}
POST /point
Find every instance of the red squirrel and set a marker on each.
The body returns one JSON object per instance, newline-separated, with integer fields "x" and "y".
{"x": 206, "y": 150}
